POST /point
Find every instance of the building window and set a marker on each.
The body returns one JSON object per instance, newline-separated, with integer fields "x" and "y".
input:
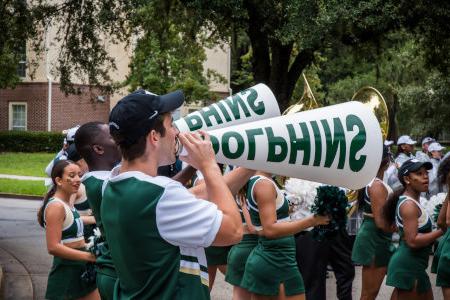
{"x": 18, "y": 116}
{"x": 22, "y": 66}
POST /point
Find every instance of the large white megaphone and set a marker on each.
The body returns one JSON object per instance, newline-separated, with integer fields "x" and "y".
{"x": 339, "y": 145}
{"x": 252, "y": 104}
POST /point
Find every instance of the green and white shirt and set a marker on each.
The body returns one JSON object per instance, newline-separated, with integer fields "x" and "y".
{"x": 93, "y": 182}
{"x": 156, "y": 230}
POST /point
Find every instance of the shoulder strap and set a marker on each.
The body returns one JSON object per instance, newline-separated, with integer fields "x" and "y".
{"x": 53, "y": 200}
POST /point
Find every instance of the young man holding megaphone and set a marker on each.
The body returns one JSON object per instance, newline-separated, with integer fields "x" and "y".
{"x": 155, "y": 227}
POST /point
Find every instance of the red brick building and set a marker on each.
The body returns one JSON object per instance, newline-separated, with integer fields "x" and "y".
{"x": 26, "y": 107}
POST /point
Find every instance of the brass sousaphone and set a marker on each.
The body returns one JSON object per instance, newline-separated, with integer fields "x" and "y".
{"x": 373, "y": 99}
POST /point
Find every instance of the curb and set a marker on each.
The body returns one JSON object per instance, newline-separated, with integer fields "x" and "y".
{"x": 17, "y": 196}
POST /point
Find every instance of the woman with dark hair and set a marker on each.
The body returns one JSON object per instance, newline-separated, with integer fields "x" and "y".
{"x": 407, "y": 267}
{"x": 372, "y": 248}
{"x": 271, "y": 269}
{"x": 64, "y": 235}
{"x": 441, "y": 261}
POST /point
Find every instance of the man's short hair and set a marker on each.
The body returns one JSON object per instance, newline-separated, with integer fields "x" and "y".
{"x": 85, "y": 137}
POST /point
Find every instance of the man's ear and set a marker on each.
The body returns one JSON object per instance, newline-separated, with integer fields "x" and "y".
{"x": 98, "y": 149}
{"x": 153, "y": 136}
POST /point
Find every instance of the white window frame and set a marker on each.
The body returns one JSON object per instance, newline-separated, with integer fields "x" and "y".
{"x": 10, "y": 115}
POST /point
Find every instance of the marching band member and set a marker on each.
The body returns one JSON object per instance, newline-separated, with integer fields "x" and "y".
{"x": 405, "y": 147}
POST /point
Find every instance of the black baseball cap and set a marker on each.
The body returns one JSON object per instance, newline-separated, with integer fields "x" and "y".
{"x": 72, "y": 153}
{"x": 134, "y": 115}
{"x": 412, "y": 165}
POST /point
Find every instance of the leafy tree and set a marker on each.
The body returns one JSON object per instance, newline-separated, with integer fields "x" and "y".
{"x": 82, "y": 28}
{"x": 285, "y": 36}
{"x": 416, "y": 93}
{"x": 15, "y": 21}
{"x": 170, "y": 52}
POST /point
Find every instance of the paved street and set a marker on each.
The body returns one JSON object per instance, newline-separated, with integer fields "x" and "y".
{"x": 26, "y": 263}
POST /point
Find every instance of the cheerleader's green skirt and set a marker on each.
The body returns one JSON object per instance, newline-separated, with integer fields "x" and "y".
{"x": 217, "y": 256}
{"x": 408, "y": 266}
{"x": 271, "y": 263}
{"x": 237, "y": 258}
{"x": 441, "y": 261}
{"x": 372, "y": 245}
{"x": 64, "y": 281}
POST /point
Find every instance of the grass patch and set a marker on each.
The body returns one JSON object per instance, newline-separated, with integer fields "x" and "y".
{"x": 26, "y": 164}
{"x": 22, "y": 187}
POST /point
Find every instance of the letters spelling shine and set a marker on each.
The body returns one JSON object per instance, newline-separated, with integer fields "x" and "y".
{"x": 230, "y": 108}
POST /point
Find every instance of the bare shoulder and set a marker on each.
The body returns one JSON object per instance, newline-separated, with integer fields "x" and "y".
{"x": 264, "y": 188}
{"x": 409, "y": 209}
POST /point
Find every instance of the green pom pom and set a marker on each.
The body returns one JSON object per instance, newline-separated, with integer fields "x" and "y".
{"x": 437, "y": 209}
{"x": 331, "y": 201}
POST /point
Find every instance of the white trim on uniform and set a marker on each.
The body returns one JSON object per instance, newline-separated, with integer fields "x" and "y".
{"x": 184, "y": 220}
{"x": 102, "y": 175}
{"x": 422, "y": 220}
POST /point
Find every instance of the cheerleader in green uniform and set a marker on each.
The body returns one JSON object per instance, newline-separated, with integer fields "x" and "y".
{"x": 64, "y": 234}
{"x": 407, "y": 267}
{"x": 237, "y": 257}
{"x": 372, "y": 248}
{"x": 441, "y": 261}
{"x": 271, "y": 270}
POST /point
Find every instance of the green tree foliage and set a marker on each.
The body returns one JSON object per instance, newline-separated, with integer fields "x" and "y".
{"x": 285, "y": 36}
{"x": 170, "y": 53}
{"x": 417, "y": 93}
{"x": 15, "y": 21}
{"x": 81, "y": 30}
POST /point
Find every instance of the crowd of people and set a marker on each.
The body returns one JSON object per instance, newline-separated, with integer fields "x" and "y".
{"x": 120, "y": 224}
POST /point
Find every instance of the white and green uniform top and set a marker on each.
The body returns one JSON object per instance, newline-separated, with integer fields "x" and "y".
{"x": 282, "y": 205}
{"x": 72, "y": 229}
{"x": 81, "y": 202}
{"x": 93, "y": 181}
{"x": 156, "y": 231}
{"x": 367, "y": 207}
{"x": 423, "y": 221}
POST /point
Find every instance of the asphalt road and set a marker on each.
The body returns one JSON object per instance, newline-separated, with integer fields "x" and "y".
{"x": 26, "y": 262}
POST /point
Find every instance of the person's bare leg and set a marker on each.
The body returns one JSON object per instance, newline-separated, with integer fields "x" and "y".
{"x": 212, "y": 270}
{"x": 94, "y": 295}
{"x": 241, "y": 294}
{"x": 413, "y": 295}
{"x": 446, "y": 293}
{"x": 222, "y": 269}
{"x": 262, "y": 297}
{"x": 372, "y": 278}
{"x": 394, "y": 295}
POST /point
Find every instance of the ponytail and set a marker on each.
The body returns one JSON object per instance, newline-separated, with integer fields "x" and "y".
{"x": 390, "y": 206}
{"x": 40, "y": 214}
